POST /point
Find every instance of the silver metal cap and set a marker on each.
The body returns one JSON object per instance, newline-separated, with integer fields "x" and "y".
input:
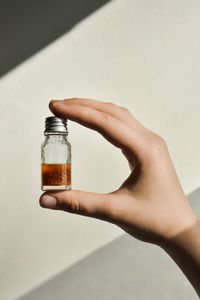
{"x": 55, "y": 124}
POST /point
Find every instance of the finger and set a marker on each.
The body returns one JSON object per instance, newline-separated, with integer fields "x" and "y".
{"x": 119, "y": 112}
{"x": 114, "y": 130}
{"x": 94, "y": 205}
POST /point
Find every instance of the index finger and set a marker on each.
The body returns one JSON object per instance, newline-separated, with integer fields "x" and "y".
{"x": 114, "y": 130}
{"x": 118, "y": 112}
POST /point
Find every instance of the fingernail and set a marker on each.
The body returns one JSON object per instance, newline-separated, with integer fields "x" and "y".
{"x": 48, "y": 201}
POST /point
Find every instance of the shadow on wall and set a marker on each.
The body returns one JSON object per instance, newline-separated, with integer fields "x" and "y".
{"x": 28, "y": 26}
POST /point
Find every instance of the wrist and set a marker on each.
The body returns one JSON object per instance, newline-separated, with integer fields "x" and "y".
{"x": 182, "y": 224}
{"x": 185, "y": 239}
{"x": 184, "y": 249}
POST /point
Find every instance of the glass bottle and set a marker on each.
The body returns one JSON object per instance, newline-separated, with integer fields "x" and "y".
{"x": 55, "y": 156}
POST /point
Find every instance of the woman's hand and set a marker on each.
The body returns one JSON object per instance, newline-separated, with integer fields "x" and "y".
{"x": 150, "y": 205}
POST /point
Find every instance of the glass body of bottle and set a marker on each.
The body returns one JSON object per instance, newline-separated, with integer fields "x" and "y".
{"x": 55, "y": 156}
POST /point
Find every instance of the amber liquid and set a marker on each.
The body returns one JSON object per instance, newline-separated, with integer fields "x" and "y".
{"x": 56, "y": 175}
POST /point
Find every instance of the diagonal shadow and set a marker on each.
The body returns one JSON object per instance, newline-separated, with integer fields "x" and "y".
{"x": 28, "y": 26}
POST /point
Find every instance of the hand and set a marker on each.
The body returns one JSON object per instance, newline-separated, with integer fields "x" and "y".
{"x": 150, "y": 205}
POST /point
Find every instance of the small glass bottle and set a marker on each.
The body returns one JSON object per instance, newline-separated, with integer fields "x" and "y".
{"x": 56, "y": 156}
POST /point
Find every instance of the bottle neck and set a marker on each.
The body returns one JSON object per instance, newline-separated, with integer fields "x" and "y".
{"x": 56, "y": 137}
{"x": 56, "y": 133}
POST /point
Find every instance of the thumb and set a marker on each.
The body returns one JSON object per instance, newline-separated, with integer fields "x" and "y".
{"x": 94, "y": 205}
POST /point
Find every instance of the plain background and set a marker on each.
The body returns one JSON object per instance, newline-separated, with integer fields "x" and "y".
{"x": 140, "y": 54}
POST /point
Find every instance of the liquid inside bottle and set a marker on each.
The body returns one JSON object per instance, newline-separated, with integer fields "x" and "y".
{"x": 56, "y": 176}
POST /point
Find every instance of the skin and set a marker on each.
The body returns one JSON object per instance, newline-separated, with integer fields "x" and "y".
{"x": 150, "y": 204}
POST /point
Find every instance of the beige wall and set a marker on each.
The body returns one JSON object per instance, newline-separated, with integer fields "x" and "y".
{"x": 139, "y": 54}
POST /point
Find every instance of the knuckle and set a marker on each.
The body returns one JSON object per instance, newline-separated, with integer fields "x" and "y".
{"x": 105, "y": 117}
{"x": 160, "y": 142}
{"x": 156, "y": 146}
{"x": 124, "y": 109}
{"x": 72, "y": 204}
{"x": 110, "y": 104}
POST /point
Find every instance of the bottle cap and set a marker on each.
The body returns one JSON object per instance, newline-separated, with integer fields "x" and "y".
{"x": 55, "y": 124}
